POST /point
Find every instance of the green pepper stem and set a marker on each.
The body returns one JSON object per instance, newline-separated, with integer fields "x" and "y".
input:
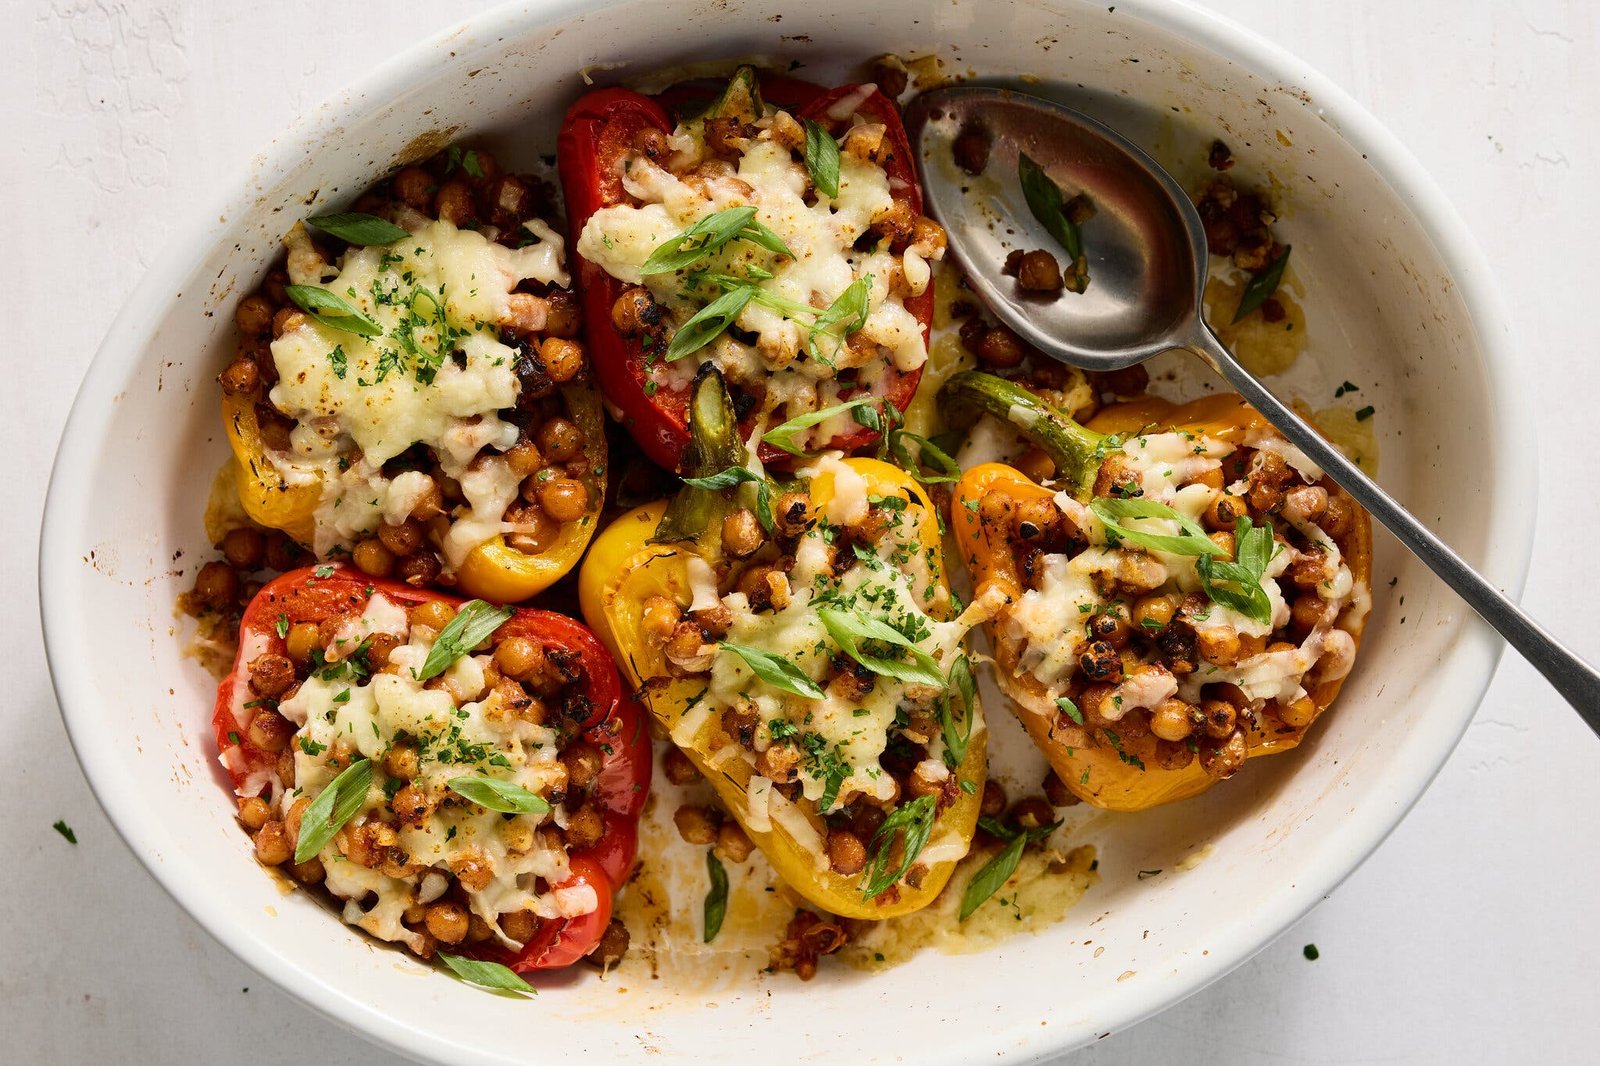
{"x": 714, "y": 446}
{"x": 1077, "y": 451}
{"x": 741, "y": 99}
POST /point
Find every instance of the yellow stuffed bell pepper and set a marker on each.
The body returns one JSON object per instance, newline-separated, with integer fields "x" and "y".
{"x": 493, "y": 571}
{"x": 827, "y": 701}
{"x": 1188, "y": 594}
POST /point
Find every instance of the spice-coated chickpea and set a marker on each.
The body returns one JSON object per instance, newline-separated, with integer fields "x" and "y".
{"x": 216, "y": 585}
{"x": 846, "y": 853}
{"x": 564, "y": 499}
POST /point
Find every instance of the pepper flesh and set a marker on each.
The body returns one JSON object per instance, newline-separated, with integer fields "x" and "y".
{"x": 624, "y": 570}
{"x": 1096, "y": 771}
{"x": 493, "y": 570}
{"x": 615, "y": 726}
{"x": 596, "y": 134}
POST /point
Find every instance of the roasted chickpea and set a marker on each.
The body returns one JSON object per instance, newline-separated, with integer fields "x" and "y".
{"x": 562, "y": 358}
{"x": 564, "y": 499}
{"x": 791, "y": 514}
{"x": 271, "y": 675}
{"x": 1172, "y": 719}
{"x": 519, "y": 658}
{"x": 1099, "y": 661}
{"x": 216, "y": 585}
{"x": 560, "y": 440}
{"x": 583, "y": 762}
{"x": 372, "y": 558}
{"x": 1222, "y": 759}
{"x": 1038, "y": 271}
{"x": 1111, "y": 625}
{"x": 536, "y": 529}
{"x": 273, "y": 846}
{"x": 270, "y": 731}
{"x": 741, "y": 533}
{"x": 679, "y": 768}
{"x": 254, "y": 812}
{"x": 635, "y": 312}
{"x": 659, "y": 617}
{"x": 453, "y": 202}
{"x": 435, "y": 614}
{"x": 1219, "y": 718}
{"x": 447, "y": 922}
{"x": 1223, "y": 513}
{"x": 1219, "y": 645}
{"x": 1154, "y": 613}
{"x": 695, "y": 824}
{"x": 1000, "y": 348}
{"x": 413, "y": 187}
{"x": 732, "y": 842}
{"x": 245, "y": 548}
{"x": 401, "y": 761}
{"x": 240, "y": 377}
{"x": 846, "y": 853}
{"x": 419, "y": 570}
{"x": 400, "y": 540}
{"x": 253, "y": 315}
{"x": 1036, "y": 519}
{"x": 287, "y": 320}
{"x": 613, "y": 943}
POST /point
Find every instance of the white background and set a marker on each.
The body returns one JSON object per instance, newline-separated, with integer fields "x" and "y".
{"x": 1470, "y": 937}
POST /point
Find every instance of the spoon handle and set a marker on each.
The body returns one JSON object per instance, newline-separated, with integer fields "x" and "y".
{"x": 1576, "y": 680}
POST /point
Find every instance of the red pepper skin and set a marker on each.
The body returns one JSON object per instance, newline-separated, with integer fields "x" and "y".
{"x": 615, "y": 725}
{"x": 598, "y": 130}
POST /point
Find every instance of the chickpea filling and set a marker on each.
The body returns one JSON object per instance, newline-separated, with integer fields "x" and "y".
{"x": 435, "y": 407}
{"x": 1153, "y": 652}
{"x": 856, "y": 257}
{"x": 828, "y": 768}
{"x": 420, "y": 864}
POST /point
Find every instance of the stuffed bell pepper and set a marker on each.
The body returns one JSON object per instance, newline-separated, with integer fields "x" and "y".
{"x": 777, "y": 235}
{"x": 798, "y": 641}
{"x": 1187, "y": 592}
{"x": 408, "y": 391}
{"x": 461, "y": 779}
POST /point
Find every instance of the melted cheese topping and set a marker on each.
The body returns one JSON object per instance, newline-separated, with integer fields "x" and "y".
{"x": 437, "y": 375}
{"x": 454, "y": 737}
{"x": 821, "y": 234}
{"x": 1047, "y": 622}
{"x": 895, "y": 580}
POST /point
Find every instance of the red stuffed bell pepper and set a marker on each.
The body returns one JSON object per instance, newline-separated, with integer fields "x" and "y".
{"x": 822, "y": 297}
{"x": 488, "y": 771}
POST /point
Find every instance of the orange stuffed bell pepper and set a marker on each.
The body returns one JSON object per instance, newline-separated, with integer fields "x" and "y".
{"x": 1189, "y": 593}
{"x": 798, "y": 645}
{"x": 408, "y": 390}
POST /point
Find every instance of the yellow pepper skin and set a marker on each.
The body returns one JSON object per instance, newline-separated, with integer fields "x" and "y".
{"x": 1094, "y": 770}
{"x": 492, "y": 571}
{"x": 500, "y": 574}
{"x": 623, "y": 570}
{"x": 266, "y": 497}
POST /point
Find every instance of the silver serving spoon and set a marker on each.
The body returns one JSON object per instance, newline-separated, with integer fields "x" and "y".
{"x": 1147, "y": 277}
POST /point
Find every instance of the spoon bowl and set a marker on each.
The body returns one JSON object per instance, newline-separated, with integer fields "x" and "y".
{"x": 1142, "y": 244}
{"x": 1148, "y": 260}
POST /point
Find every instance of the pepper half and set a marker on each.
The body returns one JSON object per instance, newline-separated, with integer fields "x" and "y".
{"x": 598, "y": 132}
{"x": 493, "y": 570}
{"x": 628, "y": 567}
{"x": 612, "y": 723}
{"x": 1099, "y": 764}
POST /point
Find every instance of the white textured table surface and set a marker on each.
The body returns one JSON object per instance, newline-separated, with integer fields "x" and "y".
{"x": 1470, "y": 937}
